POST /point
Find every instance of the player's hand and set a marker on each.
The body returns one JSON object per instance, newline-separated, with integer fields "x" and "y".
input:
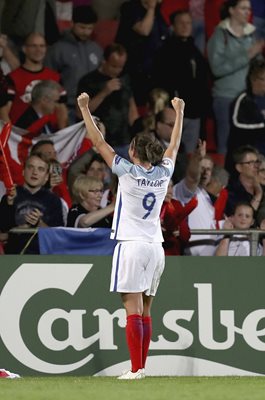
{"x": 83, "y": 100}
{"x": 178, "y": 104}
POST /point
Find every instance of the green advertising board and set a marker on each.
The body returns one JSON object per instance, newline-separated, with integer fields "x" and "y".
{"x": 58, "y": 317}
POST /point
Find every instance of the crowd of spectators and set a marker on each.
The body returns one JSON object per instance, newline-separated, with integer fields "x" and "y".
{"x": 211, "y": 54}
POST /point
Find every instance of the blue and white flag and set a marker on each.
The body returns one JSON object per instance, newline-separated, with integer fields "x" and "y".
{"x": 78, "y": 241}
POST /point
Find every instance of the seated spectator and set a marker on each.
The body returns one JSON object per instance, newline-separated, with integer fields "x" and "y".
{"x": 198, "y": 177}
{"x": 40, "y": 116}
{"x": 29, "y": 206}
{"x": 75, "y": 54}
{"x": 86, "y": 211}
{"x": 111, "y": 97}
{"x": 238, "y": 244}
{"x": 181, "y": 70}
{"x": 244, "y": 184}
{"x": 174, "y": 223}
{"x": 248, "y": 113}
{"x": 83, "y": 158}
{"x": 22, "y": 80}
{"x": 58, "y": 175}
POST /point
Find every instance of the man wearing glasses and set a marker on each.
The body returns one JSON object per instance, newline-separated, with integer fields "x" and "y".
{"x": 244, "y": 185}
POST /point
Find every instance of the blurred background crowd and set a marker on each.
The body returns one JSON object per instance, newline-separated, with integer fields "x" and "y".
{"x": 132, "y": 57}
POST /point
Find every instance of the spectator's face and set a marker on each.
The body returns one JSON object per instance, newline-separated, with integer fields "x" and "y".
{"x": 97, "y": 169}
{"x": 182, "y": 26}
{"x": 92, "y": 197}
{"x": 243, "y": 217}
{"x": 206, "y": 172}
{"x": 48, "y": 151}
{"x": 36, "y": 172}
{"x": 241, "y": 12}
{"x": 82, "y": 31}
{"x": 249, "y": 166}
{"x": 114, "y": 65}
{"x": 261, "y": 173}
{"x": 35, "y": 49}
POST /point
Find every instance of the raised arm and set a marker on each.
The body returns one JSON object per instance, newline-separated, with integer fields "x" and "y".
{"x": 94, "y": 133}
{"x": 173, "y": 147}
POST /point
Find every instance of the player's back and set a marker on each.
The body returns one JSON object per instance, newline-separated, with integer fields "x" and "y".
{"x": 140, "y": 196}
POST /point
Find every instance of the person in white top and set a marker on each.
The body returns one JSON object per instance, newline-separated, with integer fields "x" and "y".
{"x": 138, "y": 259}
{"x": 239, "y": 244}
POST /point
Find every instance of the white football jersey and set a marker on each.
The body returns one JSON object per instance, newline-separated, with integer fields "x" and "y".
{"x": 140, "y": 196}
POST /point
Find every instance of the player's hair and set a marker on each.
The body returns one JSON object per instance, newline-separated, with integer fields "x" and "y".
{"x": 148, "y": 148}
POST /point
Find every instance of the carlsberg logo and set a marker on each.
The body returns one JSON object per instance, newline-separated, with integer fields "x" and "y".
{"x": 32, "y": 279}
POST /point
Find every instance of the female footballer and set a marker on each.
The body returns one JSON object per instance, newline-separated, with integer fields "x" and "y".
{"x": 138, "y": 259}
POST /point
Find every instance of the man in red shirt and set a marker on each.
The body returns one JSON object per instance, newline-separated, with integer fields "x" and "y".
{"x": 22, "y": 80}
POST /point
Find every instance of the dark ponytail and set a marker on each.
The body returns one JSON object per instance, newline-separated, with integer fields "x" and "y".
{"x": 148, "y": 148}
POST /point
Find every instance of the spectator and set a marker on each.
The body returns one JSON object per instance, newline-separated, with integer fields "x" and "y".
{"x": 238, "y": 244}
{"x": 79, "y": 164}
{"x": 75, "y": 55}
{"x": 22, "y": 17}
{"x": 174, "y": 223}
{"x": 198, "y": 177}
{"x": 58, "y": 176}
{"x": 112, "y": 97}
{"x": 244, "y": 184}
{"x": 40, "y": 116}
{"x": 86, "y": 211}
{"x": 158, "y": 99}
{"x": 230, "y": 49}
{"x": 248, "y": 113}
{"x": 23, "y": 79}
{"x": 8, "y": 59}
{"x": 163, "y": 128}
{"x": 181, "y": 70}
{"x": 142, "y": 30}
{"x": 29, "y": 206}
